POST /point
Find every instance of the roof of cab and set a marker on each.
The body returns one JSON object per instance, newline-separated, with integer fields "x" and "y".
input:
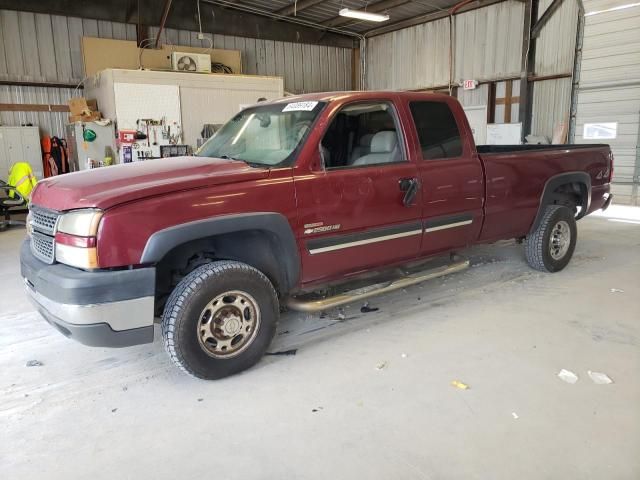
{"x": 355, "y": 94}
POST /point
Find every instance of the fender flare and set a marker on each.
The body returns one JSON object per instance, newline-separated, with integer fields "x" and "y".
{"x": 275, "y": 224}
{"x": 556, "y": 181}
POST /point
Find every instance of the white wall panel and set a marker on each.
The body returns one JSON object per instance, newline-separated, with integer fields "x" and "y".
{"x": 488, "y": 46}
{"x": 551, "y": 105}
{"x": 609, "y": 89}
{"x": 555, "y": 47}
{"x": 488, "y": 42}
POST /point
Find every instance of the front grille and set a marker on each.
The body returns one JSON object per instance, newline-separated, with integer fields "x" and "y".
{"x": 43, "y": 247}
{"x": 44, "y": 220}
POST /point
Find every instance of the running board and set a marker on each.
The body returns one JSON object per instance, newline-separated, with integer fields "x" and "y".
{"x": 359, "y": 294}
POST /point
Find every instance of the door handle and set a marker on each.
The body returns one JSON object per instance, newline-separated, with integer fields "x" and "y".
{"x": 410, "y": 188}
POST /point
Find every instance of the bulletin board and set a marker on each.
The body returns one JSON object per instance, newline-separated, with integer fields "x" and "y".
{"x": 136, "y": 101}
{"x": 477, "y": 117}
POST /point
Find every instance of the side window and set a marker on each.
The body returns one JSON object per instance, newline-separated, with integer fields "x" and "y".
{"x": 362, "y": 134}
{"x": 437, "y": 130}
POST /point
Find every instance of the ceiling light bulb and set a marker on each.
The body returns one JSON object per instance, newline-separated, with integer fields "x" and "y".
{"x": 363, "y": 15}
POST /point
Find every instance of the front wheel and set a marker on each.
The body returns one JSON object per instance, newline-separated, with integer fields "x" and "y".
{"x": 220, "y": 319}
{"x": 550, "y": 246}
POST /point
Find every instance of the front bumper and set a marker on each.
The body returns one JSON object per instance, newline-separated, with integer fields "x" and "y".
{"x": 101, "y": 309}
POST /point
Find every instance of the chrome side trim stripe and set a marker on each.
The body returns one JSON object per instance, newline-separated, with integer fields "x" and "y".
{"x": 356, "y": 243}
{"x": 448, "y": 225}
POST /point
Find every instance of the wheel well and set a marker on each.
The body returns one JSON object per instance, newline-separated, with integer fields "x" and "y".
{"x": 572, "y": 195}
{"x": 254, "y": 247}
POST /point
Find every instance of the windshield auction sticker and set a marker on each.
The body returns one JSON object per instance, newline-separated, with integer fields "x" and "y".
{"x": 300, "y": 107}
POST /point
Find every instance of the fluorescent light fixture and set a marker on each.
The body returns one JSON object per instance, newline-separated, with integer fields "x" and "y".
{"x": 363, "y": 15}
{"x": 612, "y": 9}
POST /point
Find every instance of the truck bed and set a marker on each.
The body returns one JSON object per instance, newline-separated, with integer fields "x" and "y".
{"x": 516, "y": 176}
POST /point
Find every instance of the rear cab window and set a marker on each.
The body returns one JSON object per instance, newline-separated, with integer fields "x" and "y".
{"x": 437, "y": 129}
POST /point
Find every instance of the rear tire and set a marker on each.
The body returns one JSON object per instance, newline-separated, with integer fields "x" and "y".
{"x": 550, "y": 246}
{"x": 220, "y": 319}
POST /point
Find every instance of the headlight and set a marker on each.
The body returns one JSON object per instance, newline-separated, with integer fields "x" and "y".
{"x": 83, "y": 223}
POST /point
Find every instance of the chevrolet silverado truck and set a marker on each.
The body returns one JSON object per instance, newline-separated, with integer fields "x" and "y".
{"x": 288, "y": 205}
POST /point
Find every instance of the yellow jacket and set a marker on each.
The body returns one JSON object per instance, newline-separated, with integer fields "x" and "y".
{"x": 21, "y": 176}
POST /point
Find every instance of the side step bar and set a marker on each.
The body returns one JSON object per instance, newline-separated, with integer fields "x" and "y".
{"x": 301, "y": 305}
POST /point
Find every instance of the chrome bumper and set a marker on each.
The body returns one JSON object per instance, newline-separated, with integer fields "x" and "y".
{"x": 104, "y": 308}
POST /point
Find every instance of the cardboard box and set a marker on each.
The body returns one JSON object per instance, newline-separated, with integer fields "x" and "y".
{"x": 87, "y": 117}
{"x": 82, "y": 106}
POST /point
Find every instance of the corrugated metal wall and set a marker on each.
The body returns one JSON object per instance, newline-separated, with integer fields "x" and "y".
{"x": 489, "y": 42}
{"x": 555, "y": 50}
{"x": 551, "y": 102}
{"x": 488, "y": 46}
{"x": 47, "y": 48}
{"x": 609, "y": 89}
{"x": 415, "y": 57}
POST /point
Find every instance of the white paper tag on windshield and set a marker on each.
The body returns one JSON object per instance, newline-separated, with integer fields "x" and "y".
{"x": 300, "y": 107}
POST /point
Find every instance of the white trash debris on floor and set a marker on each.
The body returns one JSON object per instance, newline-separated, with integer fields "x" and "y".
{"x": 617, "y": 290}
{"x": 382, "y": 365}
{"x": 460, "y": 385}
{"x": 599, "y": 378}
{"x": 567, "y": 376}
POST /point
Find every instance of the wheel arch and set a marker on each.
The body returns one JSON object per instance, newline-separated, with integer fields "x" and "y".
{"x": 556, "y": 186}
{"x": 263, "y": 240}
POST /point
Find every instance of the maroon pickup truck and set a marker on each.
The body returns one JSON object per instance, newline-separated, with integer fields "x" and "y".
{"x": 289, "y": 198}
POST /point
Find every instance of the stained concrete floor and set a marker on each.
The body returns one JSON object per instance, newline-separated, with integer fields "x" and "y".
{"x": 329, "y": 411}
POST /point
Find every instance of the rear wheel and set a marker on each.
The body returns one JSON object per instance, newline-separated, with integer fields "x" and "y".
{"x": 550, "y": 247}
{"x": 220, "y": 319}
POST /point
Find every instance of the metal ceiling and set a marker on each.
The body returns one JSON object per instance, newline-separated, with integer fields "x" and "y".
{"x": 300, "y": 21}
{"x": 323, "y": 14}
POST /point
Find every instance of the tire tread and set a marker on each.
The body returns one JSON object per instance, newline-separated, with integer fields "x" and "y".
{"x": 189, "y": 286}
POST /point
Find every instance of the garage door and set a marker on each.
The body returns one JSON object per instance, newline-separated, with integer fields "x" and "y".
{"x": 608, "y": 109}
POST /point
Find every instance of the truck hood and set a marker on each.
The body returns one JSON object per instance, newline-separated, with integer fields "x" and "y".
{"x": 109, "y": 186}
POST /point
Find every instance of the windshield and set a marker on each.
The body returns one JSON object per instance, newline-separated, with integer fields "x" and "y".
{"x": 263, "y": 135}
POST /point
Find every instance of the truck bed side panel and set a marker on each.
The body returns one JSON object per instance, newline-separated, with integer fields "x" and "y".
{"x": 515, "y": 182}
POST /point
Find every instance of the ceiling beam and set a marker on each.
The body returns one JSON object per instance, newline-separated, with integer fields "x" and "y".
{"x": 545, "y": 17}
{"x": 373, "y": 8}
{"x": 163, "y": 20}
{"x": 429, "y": 17}
{"x": 296, "y": 7}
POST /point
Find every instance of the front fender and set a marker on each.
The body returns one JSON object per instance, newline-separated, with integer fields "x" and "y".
{"x": 276, "y": 224}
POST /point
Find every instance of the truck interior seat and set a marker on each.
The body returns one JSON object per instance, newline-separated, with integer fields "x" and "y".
{"x": 363, "y": 147}
{"x": 384, "y": 149}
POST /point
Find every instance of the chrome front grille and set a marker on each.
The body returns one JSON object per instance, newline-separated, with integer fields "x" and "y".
{"x": 44, "y": 220}
{"x": 43, "y": 246}
{"x": 43, "y": 225}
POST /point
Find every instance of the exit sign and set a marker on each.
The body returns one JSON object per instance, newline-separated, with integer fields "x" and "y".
{"x": 469, "y": 84}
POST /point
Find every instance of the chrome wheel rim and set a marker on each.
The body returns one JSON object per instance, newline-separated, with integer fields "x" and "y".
{"x": 560, "y": 240}
{"x": 228, "y": 324}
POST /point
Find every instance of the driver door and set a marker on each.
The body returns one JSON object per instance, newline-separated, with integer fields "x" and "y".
{"x": 353, "y": 209}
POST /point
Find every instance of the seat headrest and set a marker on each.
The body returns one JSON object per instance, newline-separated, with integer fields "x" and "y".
{"x": 384, "y": 142}
{"x": 365, "y": 140}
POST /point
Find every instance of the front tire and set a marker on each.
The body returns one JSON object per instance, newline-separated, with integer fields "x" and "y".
{"x": 550, "y": 246}
{"x": 220, "y": 319}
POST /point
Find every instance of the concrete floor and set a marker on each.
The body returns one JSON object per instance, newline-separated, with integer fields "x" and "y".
{"x": 328, "y": 412}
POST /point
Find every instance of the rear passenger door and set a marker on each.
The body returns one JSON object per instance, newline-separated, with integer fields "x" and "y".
{"x": 450, "y": 173}
{"x": 352, "y": 210}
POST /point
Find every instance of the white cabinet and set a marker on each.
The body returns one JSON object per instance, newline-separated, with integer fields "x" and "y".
{"x": 20, "y": 144}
